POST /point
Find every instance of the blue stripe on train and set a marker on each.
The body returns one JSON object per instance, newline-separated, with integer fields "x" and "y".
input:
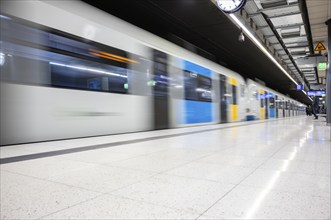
{"x": 197, "y": 69}
{"x": 197, "y": 112}
{"x": 272, "y": 112}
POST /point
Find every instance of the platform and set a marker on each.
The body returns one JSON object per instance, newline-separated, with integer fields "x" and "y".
{"x": 271, "y": 169}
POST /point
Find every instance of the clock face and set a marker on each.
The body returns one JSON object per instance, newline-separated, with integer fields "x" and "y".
{"x": 230, "y": 6}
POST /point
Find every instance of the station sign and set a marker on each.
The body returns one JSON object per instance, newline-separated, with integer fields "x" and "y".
{"x": 321, "y": 66}
{"x": 265, "y": 96}
{"x": 316, "y": 93}
{"x": 299, "y": 87}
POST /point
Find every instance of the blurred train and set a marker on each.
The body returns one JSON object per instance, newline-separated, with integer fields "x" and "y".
{"x": 69, "y": 70}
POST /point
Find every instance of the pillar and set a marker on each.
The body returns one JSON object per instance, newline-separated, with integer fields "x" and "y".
{"x": 328, "y": 77}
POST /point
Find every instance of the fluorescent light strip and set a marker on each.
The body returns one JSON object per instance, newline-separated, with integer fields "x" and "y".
{"x": 88, "y": 69}
{"x": 257, "y": 42}
{"x": 306, "y": 94}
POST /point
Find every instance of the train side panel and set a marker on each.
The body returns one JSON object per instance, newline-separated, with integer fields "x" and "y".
{"x": 32, "y": 113}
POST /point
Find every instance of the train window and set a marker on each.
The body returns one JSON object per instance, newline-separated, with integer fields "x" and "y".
{"x": 234, "y": 95}
{"x": 197, "y": 87}
{"x": 242, "y": 90}
{"x": 48, "y": 57}
{"x": 204, "y": 89}
{"x": 160, "y": 82}
{"x": 114, "y": 80}
{"x": 191, "y": 84}
{"x": 257, "y": 95}
{"x": 271, "y": 102}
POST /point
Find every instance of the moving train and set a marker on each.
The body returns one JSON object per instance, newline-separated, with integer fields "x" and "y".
{"x": 69, "y": 70}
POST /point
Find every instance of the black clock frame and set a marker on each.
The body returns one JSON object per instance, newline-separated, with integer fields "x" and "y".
{"x": 242, "y": 4}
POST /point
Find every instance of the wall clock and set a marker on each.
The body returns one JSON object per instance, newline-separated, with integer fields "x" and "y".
{"x": 230, "y": 6}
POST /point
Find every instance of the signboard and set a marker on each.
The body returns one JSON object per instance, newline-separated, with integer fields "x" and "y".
{"x": 319, "y": 47}
{"x": 321, "y": 66}
{"x": 316, "y": 92}
{"x": 299, "y": 87}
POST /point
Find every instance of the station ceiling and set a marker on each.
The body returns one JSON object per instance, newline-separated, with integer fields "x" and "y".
{"x": 198, "y": 25}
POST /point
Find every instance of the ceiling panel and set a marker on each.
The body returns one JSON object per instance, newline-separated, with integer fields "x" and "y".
{"x": 282, "y": 10}
{"x": 287, "y": 20}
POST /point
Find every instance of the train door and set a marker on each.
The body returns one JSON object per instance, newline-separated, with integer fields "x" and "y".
{"x": 276, "y": 105}
{"x": 261, "y": 96}
{"x": 160, "y": 90}
{"x": 283, "y": 109}
{"x": 286, "y": 109}
{"x": 223, "y": 105}
{"x": 232, "y": 91}
{"x": 266, "y": 111}
{"x": 291, "y": 109}
{"x": 271, "y": 105}
{"x": 297, "y": 109}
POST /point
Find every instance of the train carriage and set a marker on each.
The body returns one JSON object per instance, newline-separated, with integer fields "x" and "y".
{"x": 69, "y": 70}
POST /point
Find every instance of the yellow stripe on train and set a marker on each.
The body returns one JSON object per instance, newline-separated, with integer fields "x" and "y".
{"x": 262, "y": 112}
{"x": 234, "y": 112}
{"x": 233, "y": 81}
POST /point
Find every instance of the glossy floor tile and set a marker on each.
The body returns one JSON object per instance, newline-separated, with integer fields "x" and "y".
{"x": 101, "y": 178}
{"x": 24, "y": 197}
{"x": 213, "y": 172}
{"x": 44, "y": 168}
{"x": 290, "y": 182}
{"x": 265, "y": 203}
{"x": 276, "y": 169}
{"x": 114, "y": 207}
{"x": 187, "y": 194}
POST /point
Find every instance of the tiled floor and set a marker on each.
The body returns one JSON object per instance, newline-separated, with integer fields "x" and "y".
{"x": 277, "y": 169}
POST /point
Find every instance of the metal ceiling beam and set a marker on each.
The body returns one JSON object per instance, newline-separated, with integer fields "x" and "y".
{"x": 261, "y": 27}
{"x": 299, "y": 46}
{"x": 253, "y": 14}
{"x": 269, "y": 36}
{"x": 284, "y": 15}
{"x": 305, "y": 17}
{"x": 289, "y": 25}
{"x": 294, "y": 37}
{"x": 306, "y": 23}
{"x": 279, "y": 7}
{"x": 274, "y": 16}
{"x": 283, "y": 44}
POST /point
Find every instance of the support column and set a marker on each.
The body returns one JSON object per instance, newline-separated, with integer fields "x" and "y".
{"x": 328, "y": 77}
